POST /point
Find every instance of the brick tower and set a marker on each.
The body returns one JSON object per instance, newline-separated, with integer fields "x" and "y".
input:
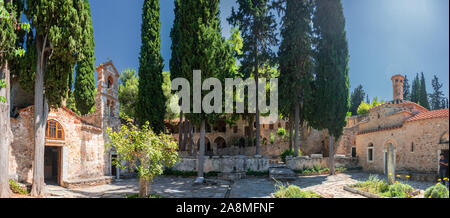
{"x": 397, "y": 84}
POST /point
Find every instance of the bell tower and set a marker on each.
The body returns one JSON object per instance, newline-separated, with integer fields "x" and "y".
{"x": 107, "y": 99}
{"x": 397, "y": 84}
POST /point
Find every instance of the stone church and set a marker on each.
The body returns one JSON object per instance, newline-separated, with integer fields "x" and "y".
{"x": 418, "y": 135}
{"x": 74, "y": 145}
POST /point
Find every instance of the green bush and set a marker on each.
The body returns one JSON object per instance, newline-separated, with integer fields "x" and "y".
{"x": 281, "y": 132}
{"x": 272, "y": 138}
{"x": 171, "y": 172}
{"x": 437, "y": 191}
{"x": 288, "y": 152}
{"x": 293, "y": 191}
{"x": 212, "y": 174}
{"x": 398, "y": 190}
{"x": 16, "y": 188}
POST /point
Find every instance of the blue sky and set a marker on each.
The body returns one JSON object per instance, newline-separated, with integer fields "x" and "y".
{"x": 385, "y": 37}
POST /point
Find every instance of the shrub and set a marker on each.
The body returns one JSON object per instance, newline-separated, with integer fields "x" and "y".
{"x": 171, "y": 172}
{"x": 437, "y": 191}
{"x": 272, "y": 138}
{"x": 212, "y": 174}
{"x": 288, "y": 152}
{"x": 257, "y": 173}
{"x": 17, "y": 188}
{"x": 293, "y": 191}
{"x": 281, "y": 132}
{"x": 398, "y": 190}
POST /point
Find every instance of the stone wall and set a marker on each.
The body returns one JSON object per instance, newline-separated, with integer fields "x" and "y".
{"x": 226, "y": 164}
{"x": 83, "y": 153}
{"x": 417, "y": 146}
{"x": 306, "y": 162}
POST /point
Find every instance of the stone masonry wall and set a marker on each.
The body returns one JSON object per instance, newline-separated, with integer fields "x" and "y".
{"x": 226, "y": 164}
{"x": 424, "y": 134}
{"x": 306, "y": 162}
{"x": 83, "y": 153}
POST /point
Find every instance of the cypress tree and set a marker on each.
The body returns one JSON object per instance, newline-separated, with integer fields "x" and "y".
{"x": 200, "y": 46}
{"x": 415, "y": 90}
{"x": 356, "y": 98}
{"x": 295, "y": 58}
{"x": 151, "y": 100}
{"x": 331, "y": 84}
{"x": 85, "y": 82}
{"x": 406, "y": 89}
{"x": 437, "y": 96}
{"x": 257, "y": 25}
{"x": 423, "y": 95}
{"x": 52, "y": 35}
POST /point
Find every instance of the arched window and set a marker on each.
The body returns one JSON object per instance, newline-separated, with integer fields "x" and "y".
{"x": 54, "y": 130}
{"x": 110, "y": 82}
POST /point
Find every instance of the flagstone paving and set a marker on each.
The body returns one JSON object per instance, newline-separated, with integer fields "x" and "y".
{"x": 325, "y": 185}
{"x": 168, "y": 187}
{"x": 250, "y": 187}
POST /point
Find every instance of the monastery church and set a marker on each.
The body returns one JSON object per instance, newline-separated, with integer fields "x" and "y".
{"x": 74, "y": 145}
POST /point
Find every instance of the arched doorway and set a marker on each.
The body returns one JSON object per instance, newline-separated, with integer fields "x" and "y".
{"x": 208, "y": 148}
{"x": 54, "y": 142}
{"x": 220, "y": 143}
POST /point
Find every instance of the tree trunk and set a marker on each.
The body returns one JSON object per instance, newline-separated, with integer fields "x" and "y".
{"x": 291, "y": 132}
{"x": 191, "y": 138}
{"x": 186, "y": 135}
{"x": 5, "y": 130}
{"x": 332, "y": 172}
{"x": 40, "y": 121}
{"x": 144, "y": 187}
{"x": 180, "y": 131}
{"x": 250, "y": 130}
{"x": 257, "y": 109}
{"x": 297, "y": 121}
{"x": 201, "y": 154}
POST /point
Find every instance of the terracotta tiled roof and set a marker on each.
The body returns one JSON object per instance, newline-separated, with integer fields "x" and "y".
{"x": 429, "y": 115}
{"x": 399, "y": 102}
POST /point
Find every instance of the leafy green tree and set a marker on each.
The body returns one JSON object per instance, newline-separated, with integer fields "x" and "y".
{"x": 296, "y": 62}
{"x": 257, "y": 26}
{"x": 10, "y": 50}
{"x": 423, "y": 96}
{"x": 166, "y": 87}
{"x": 128, "y": 93}
{"x": 415, "y": 90}
{"x": 85, "y": 90}
{"x": 363, "y": 108}
{"x": 152, "y": 108}
{"x": 437, "y": 96}
{"x": 406, "y": 89}
{"x": 142, "y": 150}
{"x": 58, "y": 44}
{"x": 331, "y": 92}
{"x": 356, "y": 98}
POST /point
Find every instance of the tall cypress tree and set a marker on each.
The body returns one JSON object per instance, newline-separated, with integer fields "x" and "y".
{"x": 423, "y": 95}
{"x": 200, "y": 46}
{"x": 151, "y": 100}
{"x": 406, "y": 89}
{"x": 62, "y": 39}
{"x": 85, "y": 82}
{"x": 331, "y": 84}
{"x": 295, "y": 58}
{"x": 415, "y": 90}
{"x": 257, "y": 25}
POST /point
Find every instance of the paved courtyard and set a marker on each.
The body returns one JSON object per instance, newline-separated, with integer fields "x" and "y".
{"x": 251, "y": 187}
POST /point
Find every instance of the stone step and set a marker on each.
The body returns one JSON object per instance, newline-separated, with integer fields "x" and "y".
{"x": 282, "y": 174}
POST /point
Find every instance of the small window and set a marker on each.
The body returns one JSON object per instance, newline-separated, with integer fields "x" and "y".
{"x": 412, "y": 147}
{"x": 279, "y": 125}
{"x": 235, "y": 129}
{"x": 353, "y": 151}
{"x": 271, "y": 126}
{"x": 370, "y": 153}
{"x": 110, "y": 82}
{"x": 379, "y": 116}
